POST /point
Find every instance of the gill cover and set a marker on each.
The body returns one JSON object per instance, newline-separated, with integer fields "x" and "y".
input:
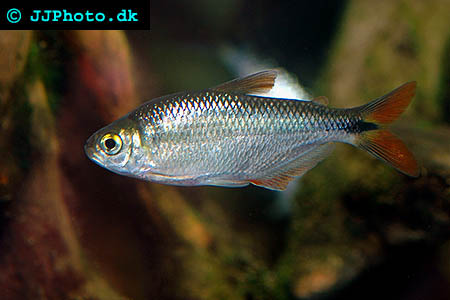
{"x": 111, "y": 146}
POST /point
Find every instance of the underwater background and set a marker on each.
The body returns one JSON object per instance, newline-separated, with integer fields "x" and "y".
{"x": 351, "y": 228}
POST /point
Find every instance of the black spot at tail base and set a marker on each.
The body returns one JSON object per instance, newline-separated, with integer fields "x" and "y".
{"x": 362, "y": 126}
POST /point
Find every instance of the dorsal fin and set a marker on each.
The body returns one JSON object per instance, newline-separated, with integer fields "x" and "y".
{"x": 296, "y": 168}
{"x": 261, "y": 82}
{"x": 321, "y": 100}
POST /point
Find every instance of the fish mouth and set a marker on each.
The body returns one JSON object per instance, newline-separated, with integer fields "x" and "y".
{"x": 90, "y": 150}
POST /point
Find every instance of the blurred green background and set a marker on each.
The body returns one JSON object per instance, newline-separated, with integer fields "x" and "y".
{"x": 351, "y": 228}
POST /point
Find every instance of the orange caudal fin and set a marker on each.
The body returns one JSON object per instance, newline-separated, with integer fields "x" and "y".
{"x": 380, "y": 142}
{"x": 387, "y": 147}
{"x": 389, "y": 107}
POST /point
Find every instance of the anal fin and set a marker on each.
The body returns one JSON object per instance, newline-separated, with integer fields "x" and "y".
{"x": 281, "y": 176}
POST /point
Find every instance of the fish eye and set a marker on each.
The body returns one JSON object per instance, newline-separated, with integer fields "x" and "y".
{"x": 111, "y": 143}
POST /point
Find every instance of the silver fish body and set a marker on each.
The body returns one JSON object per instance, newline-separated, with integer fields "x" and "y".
{"x": 216, "y": 137}
{"x": 207, "y": 136}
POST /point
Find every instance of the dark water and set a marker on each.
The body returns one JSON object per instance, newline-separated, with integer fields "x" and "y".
{"x": 351, "y": 228}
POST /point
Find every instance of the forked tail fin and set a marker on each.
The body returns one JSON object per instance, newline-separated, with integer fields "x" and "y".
{"x": 380, "y": 142}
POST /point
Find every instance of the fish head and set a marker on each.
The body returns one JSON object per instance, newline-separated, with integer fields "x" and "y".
{"x": 111, "y": 147}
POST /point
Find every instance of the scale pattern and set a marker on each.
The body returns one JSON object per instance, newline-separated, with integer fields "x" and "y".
{"x": 241, "y": 136}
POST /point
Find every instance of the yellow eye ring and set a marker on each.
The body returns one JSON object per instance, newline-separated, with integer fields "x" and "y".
{"x": 111, "y": 143}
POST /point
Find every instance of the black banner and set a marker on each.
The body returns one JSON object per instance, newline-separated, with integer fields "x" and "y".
{"x": 33, "y": 15}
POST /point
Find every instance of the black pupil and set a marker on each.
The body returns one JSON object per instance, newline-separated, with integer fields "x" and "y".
{"x": 110, "y": 143}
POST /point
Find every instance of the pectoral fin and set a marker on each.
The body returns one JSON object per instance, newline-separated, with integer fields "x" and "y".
{"x": 281, "y": 177}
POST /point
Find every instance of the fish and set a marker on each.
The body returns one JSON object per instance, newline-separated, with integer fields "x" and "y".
{"x": 231, "y": 135}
